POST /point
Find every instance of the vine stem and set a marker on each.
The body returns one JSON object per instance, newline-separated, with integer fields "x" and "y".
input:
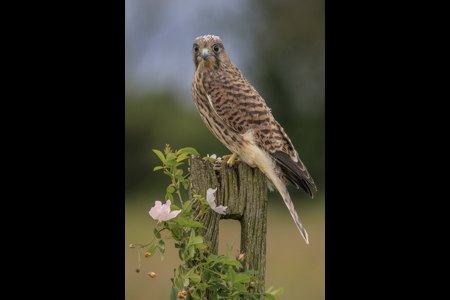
{"x": 178, "y": 189}
{"x": 179, "y": 195}
{"x": 142, "y": 246}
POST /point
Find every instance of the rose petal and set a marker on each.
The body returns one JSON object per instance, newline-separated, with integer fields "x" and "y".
{"x": 173, "y": 214}
{"x": 155, "y": 210}
{"x": 210, "y": 195}
{"x": 165, "y": 210}
{"x": 220, "y": 209}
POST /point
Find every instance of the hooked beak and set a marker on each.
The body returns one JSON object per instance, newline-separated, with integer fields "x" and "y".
{"x": 205, "y": 53}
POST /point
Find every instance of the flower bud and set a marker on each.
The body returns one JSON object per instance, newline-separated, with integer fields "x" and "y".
{"x": 151, "y": 274}
{"x": 147, "y": 254}
{"x": 137, "y": 270}
{"x": 240, "y": 257}
{"x": 253, "y": 283}
{"x": 182, "y": 295}
{"x": 131, "y": 246}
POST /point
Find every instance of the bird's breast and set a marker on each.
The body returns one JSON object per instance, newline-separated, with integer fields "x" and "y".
{"x": 233, "y": 140}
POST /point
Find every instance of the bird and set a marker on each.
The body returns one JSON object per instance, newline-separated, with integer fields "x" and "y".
{"x": 239, "y": 117}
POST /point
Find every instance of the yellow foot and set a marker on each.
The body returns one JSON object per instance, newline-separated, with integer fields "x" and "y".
{"x": 232, "y": 159}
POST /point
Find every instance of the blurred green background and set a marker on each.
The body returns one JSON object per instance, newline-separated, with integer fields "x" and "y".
{"x": 279, "y": 46}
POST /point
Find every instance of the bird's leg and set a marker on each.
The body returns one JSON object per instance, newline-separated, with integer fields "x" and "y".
{"x": 230, "y": 159}
{"x": 234, "y": 159}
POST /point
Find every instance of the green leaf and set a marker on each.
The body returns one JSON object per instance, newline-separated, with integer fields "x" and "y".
{"x": 180, "y": 221}
{"x": 161, "y": 254}
{"x": 268, "y": 296}
{"x": 187, "y": 206}
{"x": 171, "y": 156}
{"x": 177, "y": 232}
{"x": 161, "y": 245}
{"x": 171, "y": 162}
{"x": 189, "y": 272}
{"x": 195, "y": 295}
{"x": 179, "y": 283}
{"x": 232, "y": 262}
{"x": 191, "y": 250}
{"x": 157, "y": 168}
{"x": 192, "y": 237}
{"x": 174, "y": 207}
{"x": 194, "y": 277}
{"x": 160, "y": 155}
{"x": 240, "y": 287}
{"x": 203, "y": 286}
{"x": 241, "y": 277}
{"x": 170, "y": 189}
{"x": 186, "y": 184}
{"x": 179, "y": 178}
{"x": 173, "y": 294}
{"x": 213, "y": 297}
{"x": 194, "y": 224}
{"x": 188, "y": 150}
{"x": 182, "y": 157}
{"x": 186, "y": 282}
{"x": 212, "y": 257}
{"x": 151, "y": 249}
{"x": 169, "y": 196}
{"x": 231, "y": 247}
{"x": 277, "y": 292}
{"x": 250, "y": 272}
{"x": 231, "y": 274}
{"x": 197, "y": 240}
{"x": 156, "y": 232}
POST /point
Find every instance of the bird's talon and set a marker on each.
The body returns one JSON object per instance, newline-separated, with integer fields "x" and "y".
{"x": 232, "y": 160}
{"x": 226, "y": 157}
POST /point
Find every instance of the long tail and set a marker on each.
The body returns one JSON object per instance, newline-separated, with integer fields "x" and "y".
{"x": 274, "y": 172}
{"x": 278, "y": 181}
{"x": 290, "y": 206}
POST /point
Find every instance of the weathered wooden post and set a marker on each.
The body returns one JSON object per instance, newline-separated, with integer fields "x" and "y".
{"x": 244, "y": 191}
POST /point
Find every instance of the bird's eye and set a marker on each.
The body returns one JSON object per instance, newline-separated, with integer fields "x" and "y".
{"x": 195, "y": 48}
{"x": 216, "y": 48}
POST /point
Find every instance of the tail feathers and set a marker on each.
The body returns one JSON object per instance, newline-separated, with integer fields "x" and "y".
{"x": 295, "y": 171}
{"x": 297, "y": 181}
{"x": 274, "y": 173}
{"x": 287, "y": 200}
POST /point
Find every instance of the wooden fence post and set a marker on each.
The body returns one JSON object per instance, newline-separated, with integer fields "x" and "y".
{"x": 244, "y": 191}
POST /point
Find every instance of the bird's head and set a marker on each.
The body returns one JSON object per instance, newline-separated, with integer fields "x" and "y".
{"x": 208, "y": 53}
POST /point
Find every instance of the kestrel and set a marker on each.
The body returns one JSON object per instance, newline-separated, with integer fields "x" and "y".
{"x": 239, "y": 117}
